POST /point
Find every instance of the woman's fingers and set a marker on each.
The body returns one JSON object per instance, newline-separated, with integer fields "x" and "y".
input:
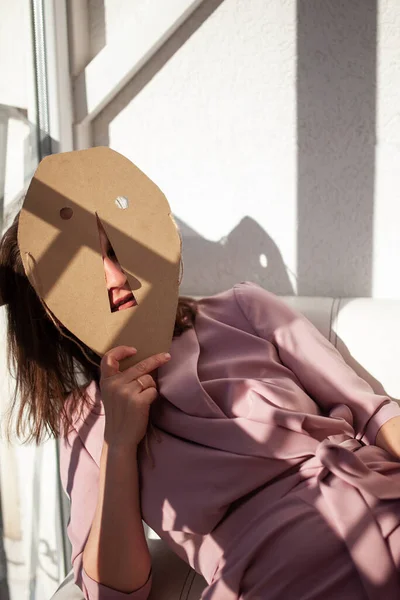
{"x": 109, "y": 365}
{"x": 145, "y": 367}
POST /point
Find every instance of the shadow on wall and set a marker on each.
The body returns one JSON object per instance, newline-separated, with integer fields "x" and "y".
{"x": 97, "y": 25}
{"x": 336, "y": 115}
{"x": 151, "y": 68}
{"x": 336, "y": 108}
{"x": 247, "y": 253}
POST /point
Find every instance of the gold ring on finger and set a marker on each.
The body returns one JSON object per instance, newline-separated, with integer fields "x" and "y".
{"x": 140, "y": 383}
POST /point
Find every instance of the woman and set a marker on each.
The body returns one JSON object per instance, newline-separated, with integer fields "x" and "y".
{"x": 269, "y": 465}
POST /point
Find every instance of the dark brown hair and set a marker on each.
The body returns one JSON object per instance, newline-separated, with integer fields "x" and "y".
{"x": 46, "y": 365}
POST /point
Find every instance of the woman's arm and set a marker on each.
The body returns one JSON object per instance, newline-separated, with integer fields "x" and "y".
{"x": 318, "y": 366}
{"x": 80, "y": 477}
{"x": 116, "y": 553}
{"x": 109, "y": 550}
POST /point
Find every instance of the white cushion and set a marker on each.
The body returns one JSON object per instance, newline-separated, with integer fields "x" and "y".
{"x": 368, "y": 336}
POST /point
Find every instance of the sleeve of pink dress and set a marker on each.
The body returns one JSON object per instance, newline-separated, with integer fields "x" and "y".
{"x": 318, "y": 366}
{"x": 80, "y": 476}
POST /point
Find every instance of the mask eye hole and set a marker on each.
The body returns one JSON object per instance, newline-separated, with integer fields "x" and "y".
{"x": 122, "y": 202}
{"x": 66, "y": 213}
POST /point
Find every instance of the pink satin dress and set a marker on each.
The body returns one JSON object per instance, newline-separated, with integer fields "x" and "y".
{"x": 262, "y": 473}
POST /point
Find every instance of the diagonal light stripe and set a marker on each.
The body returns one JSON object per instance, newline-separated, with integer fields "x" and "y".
{"x": 121, "y": 59}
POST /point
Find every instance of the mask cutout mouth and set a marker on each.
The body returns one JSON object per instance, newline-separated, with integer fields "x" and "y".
{"x": 128, "y": 301}
{"x": 120, "y": 294}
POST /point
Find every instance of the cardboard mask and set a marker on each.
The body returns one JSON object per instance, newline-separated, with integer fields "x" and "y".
{"x": 58, "y": 237}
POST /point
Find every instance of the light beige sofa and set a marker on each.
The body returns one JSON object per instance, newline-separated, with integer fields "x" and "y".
{"x": 367, "y": 333}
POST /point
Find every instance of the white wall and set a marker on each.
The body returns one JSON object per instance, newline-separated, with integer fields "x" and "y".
{"x": 272, "y": 126}
{"x": 210, "y": 119}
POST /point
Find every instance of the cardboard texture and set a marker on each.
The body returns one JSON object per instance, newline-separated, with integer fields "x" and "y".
{"x": 62, "y": 257}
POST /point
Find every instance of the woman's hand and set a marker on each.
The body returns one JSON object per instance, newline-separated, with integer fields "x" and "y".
{"x": 127, "y": 395}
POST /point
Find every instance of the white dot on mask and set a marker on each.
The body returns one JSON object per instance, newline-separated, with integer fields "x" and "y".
{"x": 263, "y": 261}
{"x": 122, "y": 202}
